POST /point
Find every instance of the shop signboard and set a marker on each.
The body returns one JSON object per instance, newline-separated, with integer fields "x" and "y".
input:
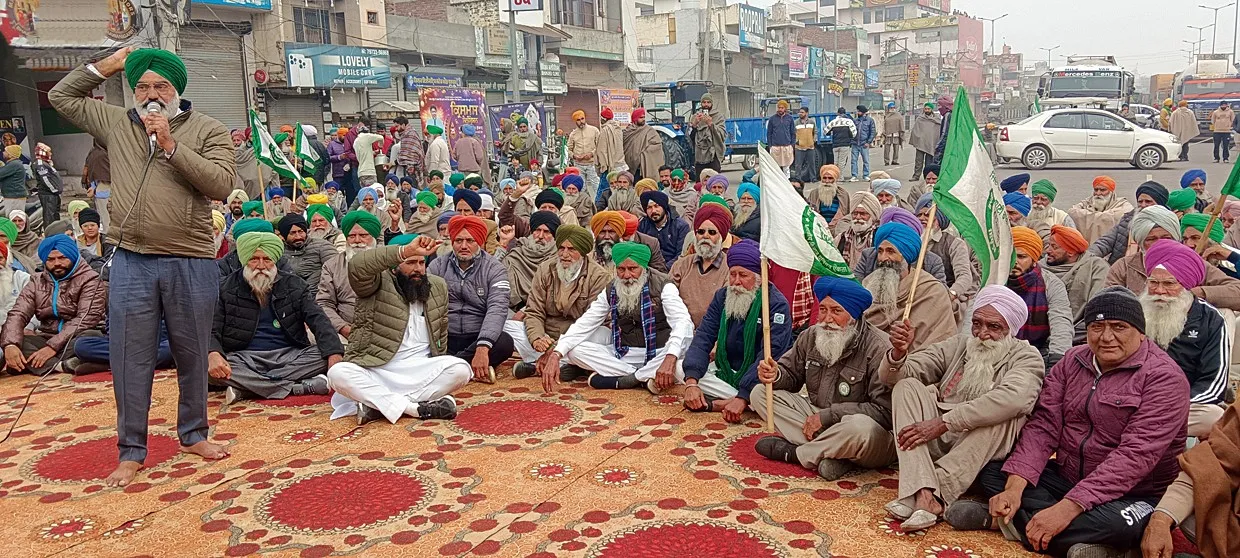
{"x": 797, "y": 61}
{"x": 752, "y": 26}
{"x": 327, "y": 66}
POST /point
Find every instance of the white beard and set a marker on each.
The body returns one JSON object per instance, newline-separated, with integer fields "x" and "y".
{"x": 981, "y": 359}
{"x": 569, "y": 274}
{"x": 1165, "y": 316}
{"x": 167, "y": 111}
{"x": 737, "y": 302}
{"x": 708, "y": 249}
{"x": 260, "y": 282}
{"x": 743, "y": 213}
{"x": 629, "y": 293}
{"x": 884, "y": 284}
{"x": 219, "y": 241}
{"x": 1100, "y": 202}
{"x": 1040, "y": 215}
{"x": 860, "y": 226}
{"x": 422, "y": 217}
{"x": 355, "y": 248}
{"x": 830, "y": 341}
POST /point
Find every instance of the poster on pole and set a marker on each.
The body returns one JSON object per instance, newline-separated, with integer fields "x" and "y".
{"x": 13, "y": 132}
{"x": 533, "y": 111}
{"x": 620, "y": 101}
{"x": 451, "y": 108}
{"x": 798, "y": 59}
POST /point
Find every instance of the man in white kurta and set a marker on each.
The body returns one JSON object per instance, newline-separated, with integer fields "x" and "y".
{"x": 412, "y": 381}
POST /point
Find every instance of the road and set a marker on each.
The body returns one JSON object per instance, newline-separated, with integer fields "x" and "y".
{"x": 1073, "y": 180}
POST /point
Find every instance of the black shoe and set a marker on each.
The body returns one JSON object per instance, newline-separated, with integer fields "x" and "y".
{"x": 524, "y": 370}
{"x": 572, "y": 372}
{"x": 366, "y": 413}
{"x": 779, "y": 449}
{"x": 968, "y": 515}
{"x": 312, "y": 386}
{"x": 833, "y": 469}
{"x": 599, "y": 381}
{"x": 443, "y": 408}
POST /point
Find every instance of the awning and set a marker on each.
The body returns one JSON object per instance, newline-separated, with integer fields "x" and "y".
{"x": 393, "y": 106}
{"x": 548, "y": 32}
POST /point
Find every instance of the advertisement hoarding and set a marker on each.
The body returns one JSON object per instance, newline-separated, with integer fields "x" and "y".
{"x": 534, "y": 112}
{"x": 970, "y": 49}
{"x": 313, "y": 65}
{"x": 620, "y": 101}
{"x": 798, "y": 60}
{"x": 451, "y": 108}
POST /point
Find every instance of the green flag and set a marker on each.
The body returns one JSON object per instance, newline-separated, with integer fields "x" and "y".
{"x": 1037, "y": 106}
{"x": 968, "y": 194}
{"x": 268, "y": 151}
{"x": 1232, "y": 186}
{"x": 310, "y": 160}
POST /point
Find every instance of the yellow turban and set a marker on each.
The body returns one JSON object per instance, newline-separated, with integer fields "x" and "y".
{"x": 646, "y": 185}
{"x": 1024, "y": 239}
{"x": 313, "y": 199}
{"x": 604, "y": 218}
{"x": 217, "y": 219}
{"x": 578, "y": 114}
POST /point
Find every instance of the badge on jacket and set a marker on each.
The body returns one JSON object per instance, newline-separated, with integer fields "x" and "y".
{"x": 845, "y": 389}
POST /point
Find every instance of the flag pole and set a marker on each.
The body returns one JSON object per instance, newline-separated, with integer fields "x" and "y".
{"x": 1205, "y": 235}
{"x": 921, "y": 258}
{"x": 766, "y": 343}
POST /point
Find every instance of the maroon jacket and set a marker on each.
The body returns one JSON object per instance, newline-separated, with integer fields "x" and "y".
{"x": 76, "y": 295}
{"x": 1113, "y": 435}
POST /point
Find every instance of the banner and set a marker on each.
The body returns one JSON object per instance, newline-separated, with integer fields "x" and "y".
{"x": 798, "y": 61}
{"x": 532, "y": 111}
{"x": 796, "y": 236}
{"x": 311, "y": 65}
{"x": 815, "y": 62}
{"x": 871, "y": 79}
{"x": 13, "y": 132}
{"x": 451, "y": 108}
{"x": 620, "y": 101}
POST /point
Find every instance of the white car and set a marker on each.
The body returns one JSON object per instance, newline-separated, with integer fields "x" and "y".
{"x": 1080, "y": 134}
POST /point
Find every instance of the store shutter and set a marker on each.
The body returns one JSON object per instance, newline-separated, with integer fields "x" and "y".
{"x": 392, "y": 93}
{"x": 217, "y": 81}
{"x": 290, "y": 109}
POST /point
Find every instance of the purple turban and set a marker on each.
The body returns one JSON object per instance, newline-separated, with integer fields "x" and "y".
{"x": 1006, "y": 302}
{"x": 1183, "y": 263}
{"x": 900, "y": 215}
{"x": 745, "y": 254}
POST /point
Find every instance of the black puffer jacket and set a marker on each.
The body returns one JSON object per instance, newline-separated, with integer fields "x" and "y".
{"x": 1114, "y": 244}
{"x": 236, "y": 315}
{"x": 231, "y": 263}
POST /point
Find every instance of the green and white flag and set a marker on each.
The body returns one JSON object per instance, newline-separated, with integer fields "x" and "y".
{"x": 310, "y": 160}
{"x": 793, "y": 234}
{"x": 968, "y": 194}
{"x": 1037, "y": 106}
{"x": 268, "y": 151}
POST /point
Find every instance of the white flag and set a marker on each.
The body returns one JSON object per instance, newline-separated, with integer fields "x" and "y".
{"x": 793, "y": 234}
{"x": 310, "y": 160}
{"x": 266, "y": 150}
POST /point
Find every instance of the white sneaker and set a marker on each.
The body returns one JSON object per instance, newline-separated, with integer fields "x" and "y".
{"x": 853, "y": 179}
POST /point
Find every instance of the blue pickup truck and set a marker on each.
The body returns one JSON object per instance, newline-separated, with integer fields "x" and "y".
{"x": 744, "y": 134}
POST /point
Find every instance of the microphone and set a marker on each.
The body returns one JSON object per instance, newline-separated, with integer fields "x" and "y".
{"x": 153, "y": 107}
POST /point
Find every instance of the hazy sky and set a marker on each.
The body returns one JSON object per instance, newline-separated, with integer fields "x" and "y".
{"x": 1143, "y": 35}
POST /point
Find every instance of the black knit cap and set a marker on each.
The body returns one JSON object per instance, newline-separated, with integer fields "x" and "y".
{"x": 1115, "y": 303}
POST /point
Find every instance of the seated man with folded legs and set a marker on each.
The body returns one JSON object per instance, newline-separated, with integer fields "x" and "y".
{"x": 561, "y": 291}
{"x": 1113, "y": 414}
{"x": 647, "y": 322}
{"x": 392, "y": 370}
{"x": 845, "y": 422}
{"x": 336, "y": 295}
{"x": 958, "y": 404}
{"x": 721, "y": 366}
{"x": 259, "y": 347}
{"x": 933, "y": 314}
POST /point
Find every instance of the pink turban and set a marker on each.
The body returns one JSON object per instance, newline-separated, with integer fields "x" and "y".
{"x": 1232, "y": 208}
{"x": 1183, "y": 263}
{"x": 1006, "y": 302}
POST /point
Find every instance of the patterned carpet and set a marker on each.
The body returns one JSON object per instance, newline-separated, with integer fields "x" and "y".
{"x": 581, "y": 473}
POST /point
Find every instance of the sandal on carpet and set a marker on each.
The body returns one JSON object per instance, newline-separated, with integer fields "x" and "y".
{"x": 920, "y": 520}
{"x": 898, "y": 509}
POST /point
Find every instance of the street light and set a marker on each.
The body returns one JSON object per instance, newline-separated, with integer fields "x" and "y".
{"x": 1048, "y": 54}
{"x": 992, "y": 21}
{"x": 1199, "y": 30}
{"x": 1214, "y": 39}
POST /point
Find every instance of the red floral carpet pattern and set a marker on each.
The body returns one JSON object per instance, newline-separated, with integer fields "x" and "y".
{"x": 578, "y": 473}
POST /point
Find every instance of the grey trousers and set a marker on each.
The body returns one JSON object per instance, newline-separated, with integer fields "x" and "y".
{"x": 272, "y": 374}
{"x": 143, "y": 289}
{"x": 842, "y": 156}
{"x": 855, "y": 438}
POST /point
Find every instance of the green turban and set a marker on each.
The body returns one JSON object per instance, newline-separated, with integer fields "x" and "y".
{"x": 456, "y": 178}
{"x": 253, "y": 205}
{"x": 280, "y": 137}
{"x": 76, "y": 206}
{"x": 367, "y": 220}
{"x": 636, "y": 251}
{"x": 1198, "y": 221}
{"x": 8, "y": 228}
{"x": 711, "y": 198}
{"x": 473, "y": 180}
{"x": 579, "y": 236}
{"x": 678, "y": 173}
{"x": 269, "y": 243}
{"x": 434, "y": 130}
{"x": 323, "y": 210}
{"x": 251, "y": 224}
{"x": 435, "y": 173}
{"x": 523, "y": 120}
{"x": 1046, "y": 188}
{"x": 401, "y": 240}
{"x": 160, "y": 61}
{"x": 1181, "y": 200}
{"x": 427, "y": 197}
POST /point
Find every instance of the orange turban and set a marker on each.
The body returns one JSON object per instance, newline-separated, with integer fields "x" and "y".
{"x": 1024, "y": 239}
{"x": 833, "y": 170}
{"x": 472, "y": 225}
{"x": 604, "y": 218}
{"x": 1183, "y": 103}
{"x": 286, "y": 129}
{"x": 630, "y": 223}
{"x": 1069, "y": 239}
{"x": 1105, "y": 181}
{"x": 578, "y": 114}
{"x": 342, "y": 132}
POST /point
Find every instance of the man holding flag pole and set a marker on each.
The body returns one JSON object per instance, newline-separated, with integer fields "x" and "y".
{"x": 268, "y": 152}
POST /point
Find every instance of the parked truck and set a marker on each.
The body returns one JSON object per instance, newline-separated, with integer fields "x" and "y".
{"x": 1209, "y": 80}
{"x": 1089, "y": 77}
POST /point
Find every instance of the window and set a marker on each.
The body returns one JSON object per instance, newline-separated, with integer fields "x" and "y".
{"x": 1103, "y": 122}
{"x": 878, "y": 16}
{"x": 895, "y": 13}
{"x": 338, "y": 27}
{"x": 372, "y": 18}
{"x": 1064, "y": 120}
{"x": 865, "y": 16}
{"x": 311, "y": 26}
{"x": 877, "y": 39}
{"x": 578, "y": 13}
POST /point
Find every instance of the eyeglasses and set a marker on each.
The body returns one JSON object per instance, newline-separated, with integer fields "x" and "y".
{"x": 707, "y": 232}
{"x": 162, "y": 88}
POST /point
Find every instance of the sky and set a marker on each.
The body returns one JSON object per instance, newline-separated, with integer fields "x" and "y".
{"x": 1143, "y": 35}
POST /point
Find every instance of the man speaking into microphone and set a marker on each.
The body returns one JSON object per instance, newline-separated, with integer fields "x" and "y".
{"x": 163, "y": 266}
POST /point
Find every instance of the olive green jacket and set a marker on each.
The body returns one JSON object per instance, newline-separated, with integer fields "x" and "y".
{"x": 382, "y": 313}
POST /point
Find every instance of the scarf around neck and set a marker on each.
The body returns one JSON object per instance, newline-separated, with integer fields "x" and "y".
{"x": 648, "y": 325}
{"x": 723, "y": 367}
{"x": 1032, "y": 288}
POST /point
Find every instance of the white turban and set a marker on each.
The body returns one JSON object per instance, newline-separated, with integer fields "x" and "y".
{"x": 889, "y": 185}
{"x": 1153, "y": 216}
{"x": 1006, "y": 302}
{"x": 309, "y": 130}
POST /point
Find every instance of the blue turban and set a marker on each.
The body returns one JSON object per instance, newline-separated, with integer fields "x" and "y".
{"x": 923, "y": 202}
{"x": 472, "y": 198}
{"x": 847, "y": 293}
{"x": 1192, "y": 175}
{"x": 275, "y": 191}
{"x": 751, "y": 189}
{"x": 367, "y": 191}
{"x": 748, "y": 176}
{"x": 573, "y": 180}
{"x": 902, "y": 236}
{"x": 468, "y": 129}
{"x": 507, "y": 182}
{"x": 331, "y": 184}
{"x": 391, "y": 177}
{"x": 60, "y": 243}
{"x": 1014, "y": 182}
{"x": 1019, "y": 202}
{"x": 445, "y": 217}
{"x": 409, "y": 179}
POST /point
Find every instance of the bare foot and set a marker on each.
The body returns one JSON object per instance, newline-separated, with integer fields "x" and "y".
{"x": 925, "y": 500}
{"x": 124, "y": 474}
{"x": 206, "y": 450}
